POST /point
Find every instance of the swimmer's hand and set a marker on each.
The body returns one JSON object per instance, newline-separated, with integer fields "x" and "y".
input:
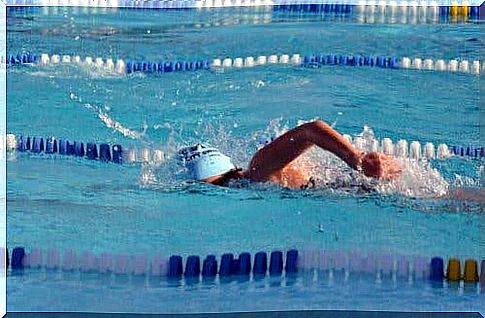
{"x": 378, "y": 165}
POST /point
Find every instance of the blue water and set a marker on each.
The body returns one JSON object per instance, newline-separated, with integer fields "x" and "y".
{"x": 68, "y": 203}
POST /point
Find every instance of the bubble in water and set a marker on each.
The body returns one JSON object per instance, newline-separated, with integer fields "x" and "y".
{"x": 147, "y": 175}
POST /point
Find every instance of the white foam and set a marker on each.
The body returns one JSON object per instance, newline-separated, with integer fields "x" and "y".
{"x": 417, "y": 179}
{"x": 117, "y": 126}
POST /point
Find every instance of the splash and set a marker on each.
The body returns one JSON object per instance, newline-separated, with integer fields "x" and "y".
{"x": 115, "y": 125}
{"x": 418, "y": 179}
{"x": 109, "y": 121}
{"x": 71, "y": 70}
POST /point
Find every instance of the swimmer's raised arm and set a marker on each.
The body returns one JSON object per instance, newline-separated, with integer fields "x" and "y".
{"x": 281, "y": 152}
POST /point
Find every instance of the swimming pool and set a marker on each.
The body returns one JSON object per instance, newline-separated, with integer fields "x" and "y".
{"x": 69, "y": 203}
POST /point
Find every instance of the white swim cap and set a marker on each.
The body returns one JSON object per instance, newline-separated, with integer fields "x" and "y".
{"x": 203, "y": 161}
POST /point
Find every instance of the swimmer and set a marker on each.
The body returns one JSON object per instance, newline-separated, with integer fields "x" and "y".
{"x": 273, "y": 163}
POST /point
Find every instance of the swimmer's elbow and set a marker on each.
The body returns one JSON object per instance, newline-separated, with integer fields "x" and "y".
{"x": 317, "y": 126}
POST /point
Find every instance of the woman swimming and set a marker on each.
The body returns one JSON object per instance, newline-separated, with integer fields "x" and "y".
{"x": 274, "y": 161}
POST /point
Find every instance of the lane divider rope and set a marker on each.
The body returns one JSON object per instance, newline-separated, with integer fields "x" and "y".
{"x": 453, "y": 9}
{"x": 117, "y": 154}
{"x": 414, "y": 149}
{"x": 312, "y": 61}
{"x": 318, "y": 12}
{"x": 261, "y": 264}
{"x": 90, "y": 150}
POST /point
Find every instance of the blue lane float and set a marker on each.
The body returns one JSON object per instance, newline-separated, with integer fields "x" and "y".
{"x": 50, "y": 145}
{"x": 226, "y": 265}
{"x": 166, "y": 66}
{"x": 260, "y": 264}
{"x": 91, "y": 151}
{"x": 316, "y": 8}
{"x": 192, "y": 266}
{"x": 117, "y": 154}
{"x": 291, "y": 261}
{"x": 18, "y": 254}
{"x": 437, "y": 272}
{"x": 79, "y": 149}
{"x": 104, "y": 152}
{"x": 175, "y": 266}
{"x": 244, "y": 264}
{"x": 209, "y": 267}
{"x": 276, "y": 263}
{"x": 475, "y": 152}
{"x": 21, "y": 59}
{"x": 350, "y": 60}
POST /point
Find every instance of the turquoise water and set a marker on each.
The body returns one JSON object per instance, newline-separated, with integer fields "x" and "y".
{"x": 69, "y": 203}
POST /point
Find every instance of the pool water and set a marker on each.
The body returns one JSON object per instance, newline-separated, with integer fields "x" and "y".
{"x": 71, "y": 203}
